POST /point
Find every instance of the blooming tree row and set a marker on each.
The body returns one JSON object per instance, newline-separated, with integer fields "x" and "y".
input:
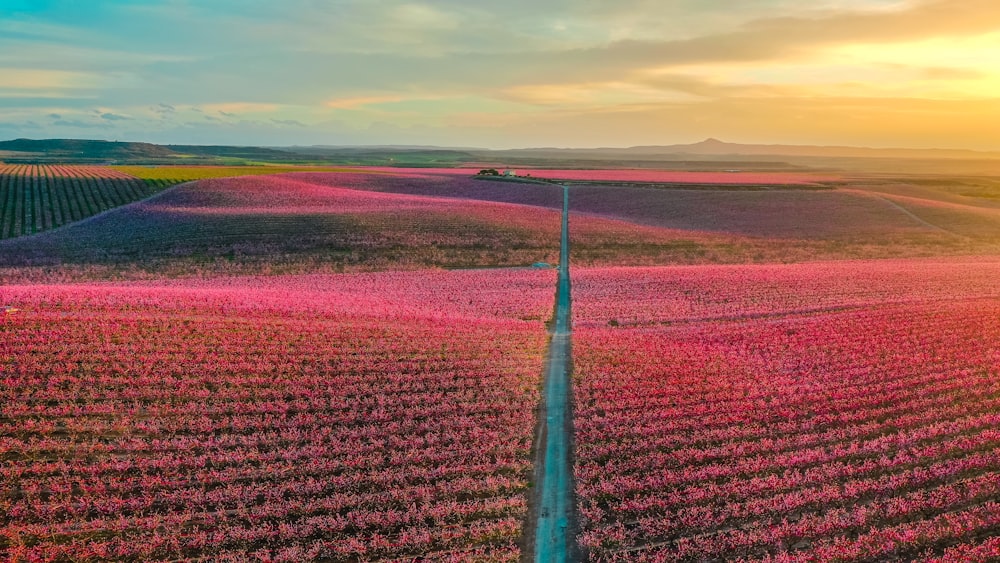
{"x": 845, "y": 418}
{"x": 669, "y": 295}
{"x": 257, "y": 223}
{"x": 280, "y": 419}
{"x": 307, "y": 222}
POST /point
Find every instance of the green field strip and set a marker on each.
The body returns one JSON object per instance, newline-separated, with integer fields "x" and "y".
{"x": 35, "y": 199}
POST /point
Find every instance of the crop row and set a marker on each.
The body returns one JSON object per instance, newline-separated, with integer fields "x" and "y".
{"x": 279, "y": 224}
{"x": 340, "y": 221}
{"x": 704, "y": 226}
{"x": 231, "y": 418}
{"x": 691, "y": 294}
{"x": 861, "y": 432}
{"x": 36, "y": 198}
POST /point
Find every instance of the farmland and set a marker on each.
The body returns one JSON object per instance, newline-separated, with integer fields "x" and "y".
{"x": 163, "y": 176}
{"x": 347, "y": 365}
{"x": 630, "y": 225}
{"x": 859, "y": 218}
{"x": 735, "y": 178}
{"x": 818, "y": 412}
{"x": 37, "y": 198}
{"x": 281, "y": 224}
{"x": 333, "y": 222}
{"x": 214, "y": 418}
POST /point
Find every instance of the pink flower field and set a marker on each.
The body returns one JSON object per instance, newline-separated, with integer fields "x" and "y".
{"x": 338, "y": 417}
{"x": 349, "y": 366}
{"x": 679, "y": 177}
{"x": 843, "y": 215}
{"x": 251, "y": 224}
{"x": 643, "y": 225}
{"x": 438, "y": 182}
{"x": 693, "y": 294}
{"x": 333, "y": 222}
{"x": 628, "y": 175}
{"x": 821, "y": 412}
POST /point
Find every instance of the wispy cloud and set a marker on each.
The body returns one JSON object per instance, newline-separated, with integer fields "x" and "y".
{"x": 355, "y": 102}
{"x": 80, "y": 124}
{"x": 497, "y": 71}
{"x": 108, "y": 116}
{"x": 45, "y": 79}
{"x": 288, "y": 122}
{"x": 236, "y": 108}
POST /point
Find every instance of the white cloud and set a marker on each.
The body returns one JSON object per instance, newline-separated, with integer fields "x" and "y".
{"x": 41, "y": 79}
{"x": 452, "y": 62}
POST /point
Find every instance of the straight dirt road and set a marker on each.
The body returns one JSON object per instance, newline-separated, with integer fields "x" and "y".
{"x": 554, "y": 531}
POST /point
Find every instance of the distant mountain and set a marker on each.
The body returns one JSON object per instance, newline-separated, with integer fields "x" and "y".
{"x": 715, "y": 147}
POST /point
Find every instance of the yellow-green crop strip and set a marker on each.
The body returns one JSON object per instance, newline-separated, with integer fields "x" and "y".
{"x": 169, "y": 175}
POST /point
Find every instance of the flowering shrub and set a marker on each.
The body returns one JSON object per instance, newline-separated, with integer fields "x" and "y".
{"x": 814, "y": 412}
{"x": 339, "y": 417}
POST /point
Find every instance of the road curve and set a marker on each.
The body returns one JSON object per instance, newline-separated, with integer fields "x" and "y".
{"x": 554, "y": 532}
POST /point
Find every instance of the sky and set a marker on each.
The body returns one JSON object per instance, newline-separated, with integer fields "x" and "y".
{"x": 516, "y": 73}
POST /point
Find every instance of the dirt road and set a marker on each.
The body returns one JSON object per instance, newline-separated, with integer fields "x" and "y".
{"x": 554, "y": 533}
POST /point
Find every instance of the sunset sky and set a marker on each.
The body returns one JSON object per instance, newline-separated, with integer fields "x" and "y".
{"x": 517, "y": 73}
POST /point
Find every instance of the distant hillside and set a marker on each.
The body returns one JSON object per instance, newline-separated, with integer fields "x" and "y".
{"x": 77, "y": 149}
{"x": 252, "y": 153}
{"x": 707, "y": 155}
{"x": 74, "y": 151}
{"x": 713, "y": 154}
{"x": 391, "y": 155}
{"x": 715, "y": 147}
{"x": 721, "y": 148}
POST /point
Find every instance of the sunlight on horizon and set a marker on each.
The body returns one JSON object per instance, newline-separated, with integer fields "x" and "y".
{"x": 524, "y": 74}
